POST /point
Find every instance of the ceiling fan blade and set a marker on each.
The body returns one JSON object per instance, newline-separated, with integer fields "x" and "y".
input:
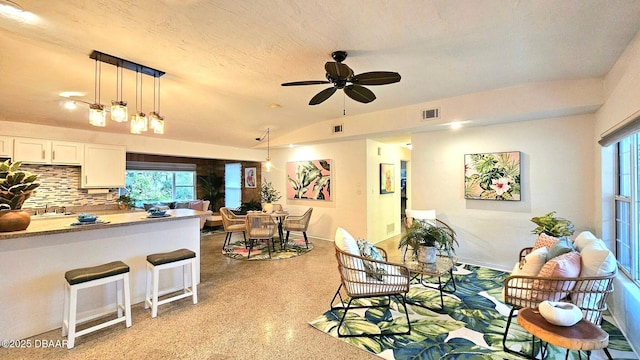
{"x": 338, "y": 71}
{"x": 322, "y": 96}
{"x": 376, "y": 78}
{"x": 306, "y": 82}
{"x": 359, "y": 93}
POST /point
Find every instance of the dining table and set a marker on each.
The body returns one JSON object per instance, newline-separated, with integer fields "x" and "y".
{"x": 279, "y": 217}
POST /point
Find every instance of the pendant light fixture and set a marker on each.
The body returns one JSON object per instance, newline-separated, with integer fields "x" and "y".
{"x": 119, "y": 112}
{"x": 268, "y": 164}
{"x": 97, "y": 115}
{"x": 139, "y": 120}
{"x": 156, "y": 121}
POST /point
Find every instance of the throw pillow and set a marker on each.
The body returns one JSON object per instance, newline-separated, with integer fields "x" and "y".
{"x": 597, "y": 260}
{"x": 182, "y": 205}
{"x": 369, "y": 251}
{"x": 345, "y": 242}
{"x": 562, "y": 246}
{"x": 583, "y": 239}
{"x": 196, "y": 205}
{"x": 563, "y": 266}
{"x": 545, "y": 240}
{"x": 531, "y": 264}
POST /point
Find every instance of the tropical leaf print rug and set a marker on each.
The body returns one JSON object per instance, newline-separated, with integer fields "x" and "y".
{"x": 238, "y": 251}
{"x": 470, "y": 326}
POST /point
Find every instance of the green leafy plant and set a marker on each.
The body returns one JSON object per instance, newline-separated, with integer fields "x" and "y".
{"x": 552, "y": 225}
{"x": 126, "y": 201}
{"x": 211, "y": 188}
{"x": 268, "y": 193}
{"x": 16, "y": 185}
{"x": 251, "y": 205}
{"x": 423, "y": 233}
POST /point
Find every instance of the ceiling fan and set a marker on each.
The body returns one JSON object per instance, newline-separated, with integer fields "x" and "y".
{"x": 342, "y": 77}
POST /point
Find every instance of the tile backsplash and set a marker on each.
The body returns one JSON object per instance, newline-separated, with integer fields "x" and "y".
{"x": 60, "y": 186}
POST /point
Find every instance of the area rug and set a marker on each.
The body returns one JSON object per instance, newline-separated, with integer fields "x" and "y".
{"x": 470, "y": 326}
{"x": 238, "y": 251}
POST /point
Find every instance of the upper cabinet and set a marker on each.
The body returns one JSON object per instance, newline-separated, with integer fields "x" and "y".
{"x": 6, "y": 147}
{"x": 104, "y": 166}
{"x": 41, "y": 151}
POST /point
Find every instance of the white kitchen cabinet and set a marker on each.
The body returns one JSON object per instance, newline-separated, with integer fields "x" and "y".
{"x": 32, "y": 151}
{"x": 6, "y": 147}
{"x": 104, "y": 166}
{"x": 67, "y": 153}
{"x": 41, "y": 151}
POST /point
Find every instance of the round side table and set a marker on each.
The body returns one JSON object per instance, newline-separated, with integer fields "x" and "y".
{"x": 582, "y": 336}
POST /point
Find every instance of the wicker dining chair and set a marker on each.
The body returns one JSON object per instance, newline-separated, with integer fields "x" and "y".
{"x": 260, "y": 227}
{"x": 297, "y": 223}
{"x": 360, "y": 281}
{"x": 232, "y": 223}
{"x": 587, "y": 293}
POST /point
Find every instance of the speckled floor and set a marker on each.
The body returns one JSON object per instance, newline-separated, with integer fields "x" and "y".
{"x": 246, "y": 310}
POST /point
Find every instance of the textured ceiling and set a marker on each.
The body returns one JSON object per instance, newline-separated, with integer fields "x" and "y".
{"x": 225, "y": 60}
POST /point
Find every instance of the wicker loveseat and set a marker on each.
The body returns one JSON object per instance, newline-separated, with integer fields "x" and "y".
{"x": 588, "y": 290}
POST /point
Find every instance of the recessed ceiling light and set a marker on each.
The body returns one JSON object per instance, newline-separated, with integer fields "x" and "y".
{"x": 456, "y": 125}
{"x": 68, "y": 94}
{"x": 275, "y": 106}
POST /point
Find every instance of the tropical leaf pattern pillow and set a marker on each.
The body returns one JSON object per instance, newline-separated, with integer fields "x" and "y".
{"x": 368, "y": 250}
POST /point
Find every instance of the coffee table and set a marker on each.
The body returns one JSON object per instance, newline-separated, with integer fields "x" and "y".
{"x": 582, "y": 336}
{"x": 443, "y": 265}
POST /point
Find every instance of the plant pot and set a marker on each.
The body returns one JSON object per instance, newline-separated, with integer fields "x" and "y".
{"x": 427, "y": 254}
{"x": 14, "y": 220}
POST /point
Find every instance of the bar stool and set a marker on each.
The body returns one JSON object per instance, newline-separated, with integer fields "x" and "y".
{"x": 157, "y": 262}
{"x": 82, "y": 278}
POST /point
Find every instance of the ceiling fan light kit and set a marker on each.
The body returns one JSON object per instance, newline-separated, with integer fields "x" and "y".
{"x": 342, "y": 77}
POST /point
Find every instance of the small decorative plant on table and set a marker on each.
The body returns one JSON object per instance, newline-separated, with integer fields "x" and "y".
{"x": 268, "y": 194}
{"x": 426, "y": 239}
{"x": 552, "y": 225}
{"x": 16, "y": 186}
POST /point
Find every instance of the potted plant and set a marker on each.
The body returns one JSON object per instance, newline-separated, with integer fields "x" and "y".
{"x": 552, "y": 225}
{"x": 125, "y": 202}
{"x": 268, "y": 194}
{"x": 426, "y": 239}
{"x": 16, "y": 186}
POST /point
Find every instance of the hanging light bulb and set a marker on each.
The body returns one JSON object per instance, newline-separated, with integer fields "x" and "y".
{"x": 97, "y": 115}
{"x": 119, "y": 112}
{"x": 139, "y": 120}
{"x": 156, "y": 121}
{"x": 268, "y": 165}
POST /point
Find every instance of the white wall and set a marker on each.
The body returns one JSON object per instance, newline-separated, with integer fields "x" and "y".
{"x": 347, "y": 207}
{"x": 383, "y": 210}
{"x": 622, "y": 85}
{"x": 556, "y": 167}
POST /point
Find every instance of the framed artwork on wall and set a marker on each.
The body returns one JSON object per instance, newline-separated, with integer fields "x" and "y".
{"x": 250, "y": 177}
{"x": 309, "y": 179}
{"x": 492, "y": 176}
{"x": 387, "y": 179}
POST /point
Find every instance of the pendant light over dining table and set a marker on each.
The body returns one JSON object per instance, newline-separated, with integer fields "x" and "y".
{"x": 119, "y": 112}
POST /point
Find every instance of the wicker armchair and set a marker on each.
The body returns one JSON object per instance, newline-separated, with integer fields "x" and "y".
{"x": 588, "y": 293}
{"x": 232, "y": 223}
{"x": 359, "y": 279}
{"x": 260, "y": 227}
{"x": 298, "y": 223}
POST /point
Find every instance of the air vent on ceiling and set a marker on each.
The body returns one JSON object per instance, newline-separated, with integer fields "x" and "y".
{"x": 336, "y": 129}
{"x": 430, "y": 114}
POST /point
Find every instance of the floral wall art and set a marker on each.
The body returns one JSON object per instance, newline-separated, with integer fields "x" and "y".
{"x": 492, "y": 176}
{"x": 387, "y": 179}
{"x": 309, "y": 179}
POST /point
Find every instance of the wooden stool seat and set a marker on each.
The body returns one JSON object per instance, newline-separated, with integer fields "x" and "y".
{"x": 582, "y": 336}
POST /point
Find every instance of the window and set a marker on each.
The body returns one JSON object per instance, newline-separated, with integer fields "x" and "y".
{"x": 160, "y": 182}
{"x": 232, "y": 186}
{"x": 627, "y": 206}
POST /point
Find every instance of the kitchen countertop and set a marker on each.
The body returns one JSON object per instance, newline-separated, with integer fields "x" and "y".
{"x": 62, "y": 224}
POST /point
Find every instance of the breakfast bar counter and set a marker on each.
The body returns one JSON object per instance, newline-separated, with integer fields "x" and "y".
{"x": 33, "y": 263}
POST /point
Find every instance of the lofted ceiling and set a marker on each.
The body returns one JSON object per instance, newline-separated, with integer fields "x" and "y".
{"x": 225, "y": 60}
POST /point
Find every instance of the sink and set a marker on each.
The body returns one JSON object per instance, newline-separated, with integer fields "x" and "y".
{"x": 50, "y": 215}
